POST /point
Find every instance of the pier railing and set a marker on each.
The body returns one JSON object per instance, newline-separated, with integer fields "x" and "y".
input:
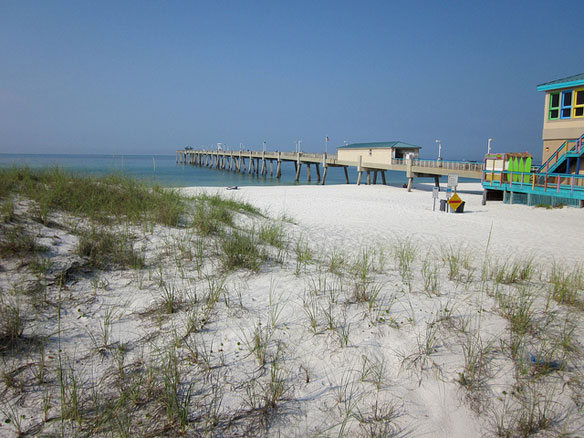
{"x": 559, "y": 183}
{"x": 451, "y": 165}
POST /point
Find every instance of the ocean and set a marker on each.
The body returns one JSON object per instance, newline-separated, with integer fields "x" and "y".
{"x": 163, "y": 170}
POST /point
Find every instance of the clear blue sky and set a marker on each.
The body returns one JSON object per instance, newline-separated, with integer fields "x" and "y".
{"x": 151, "y": 77}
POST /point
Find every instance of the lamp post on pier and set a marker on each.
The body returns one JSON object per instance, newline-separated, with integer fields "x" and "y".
{"x": 439, "y": 149}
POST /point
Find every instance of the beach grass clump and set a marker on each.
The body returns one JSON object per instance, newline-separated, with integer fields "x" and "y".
{"x": 219, "y": 202}
{"x": 17, "y": 241}
{"x": 567, "y": 287}
{"x": 103, "y": 199}
{"x": 518, "y": 307}
{"x": 363, "y": 266}
{"x": 241, "y": 250}
{"x": 405, "y": 254}
{"x": 514, "y": 271}
{"x": 209, "y": 219}
{"x": 213, "y": 213}
{"x": 304, "y": 254}
{"x": 336, "y": 262}
{"x": 534, "y": 411}
{"x": 430, "y": 278}
{"x": 12, "y": 323}
{"x": 105, "y": 250}
{"x": 476, "y": 372}
{"x": 177, "y": 394}
{"x": 459, "y": 263}
{"x": 7, "y": 210}
{"x": 272, "y": 234}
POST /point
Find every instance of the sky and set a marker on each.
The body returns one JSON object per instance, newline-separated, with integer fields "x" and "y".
{"x": 151, "y": 77}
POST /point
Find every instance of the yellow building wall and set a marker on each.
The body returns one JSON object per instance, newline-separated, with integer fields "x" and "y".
{"x": 556, "y": 132}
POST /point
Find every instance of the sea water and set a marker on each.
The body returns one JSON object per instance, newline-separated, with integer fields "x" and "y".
{"x": 165, "y": 171}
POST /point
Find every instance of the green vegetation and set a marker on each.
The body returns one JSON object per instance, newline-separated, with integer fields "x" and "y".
{"x": 11, "y": 324}
{"x": 113, "y": 198}
{"x": 105, "y": 250}
{"x": 16, "y": 240}
{"x": 241, "y": 250}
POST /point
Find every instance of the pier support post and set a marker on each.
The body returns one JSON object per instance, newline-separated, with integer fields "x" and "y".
{"x": 308, "y": 171}
{"x": 346, "y": 175}
{"x": 298, "y": 167}
{"x": 324, "y": 175}
{"x": 368, "y": 177}
{"x": 437, "y": 181}
{"x": 279, "y": 166}
{"x": 317, "y": 172}
{"x": 375, "y": 177}
{"x": 359, "y": 177}
{"x": 410, "y": 183}
{"x": 271, "y": 168}
{"x": 383, "y": 177}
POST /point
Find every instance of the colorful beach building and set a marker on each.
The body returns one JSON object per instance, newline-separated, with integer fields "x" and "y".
{"x": 560, "y": 177}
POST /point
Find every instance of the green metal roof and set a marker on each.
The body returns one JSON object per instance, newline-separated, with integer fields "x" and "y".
{"x": 570, "y": 81}
{"x": 380, "y": 144}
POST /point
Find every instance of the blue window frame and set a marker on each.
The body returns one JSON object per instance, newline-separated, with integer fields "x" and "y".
{"x": 566, "y": 111}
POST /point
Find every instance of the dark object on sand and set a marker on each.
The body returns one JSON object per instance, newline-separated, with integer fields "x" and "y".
{"x": 548, "y": 364}
{"x": 232, "y": 188}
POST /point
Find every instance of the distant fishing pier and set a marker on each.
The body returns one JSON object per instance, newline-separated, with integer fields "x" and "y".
{"x": 270, "y": 163}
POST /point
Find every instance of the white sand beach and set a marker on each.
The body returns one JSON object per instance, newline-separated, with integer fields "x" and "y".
{"x": 376, "y": 316}
{"x": 350, "y": 216}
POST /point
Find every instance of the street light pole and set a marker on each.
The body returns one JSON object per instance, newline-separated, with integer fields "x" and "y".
{"x": 489, "y": 145}
{"x": 439, "y": 150}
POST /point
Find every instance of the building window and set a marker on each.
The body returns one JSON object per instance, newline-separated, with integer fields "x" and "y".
{"x": 554, "y": 111}
{"x": 579, "y": 103}
{"x": 566, "y": 104}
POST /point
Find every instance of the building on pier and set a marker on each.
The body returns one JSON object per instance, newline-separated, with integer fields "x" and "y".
{"x": 378, "y": 152}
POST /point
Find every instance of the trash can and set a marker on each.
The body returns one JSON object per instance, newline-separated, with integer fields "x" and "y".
{"x": 460, "y": 208}
{"x": 443, "y": 204}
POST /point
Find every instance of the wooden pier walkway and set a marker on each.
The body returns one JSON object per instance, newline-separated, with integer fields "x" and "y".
{"x": 264, "y": 163}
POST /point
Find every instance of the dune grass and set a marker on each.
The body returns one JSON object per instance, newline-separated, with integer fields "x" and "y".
{"x": 107, "y": 199}
{"x": 105, "y": 249}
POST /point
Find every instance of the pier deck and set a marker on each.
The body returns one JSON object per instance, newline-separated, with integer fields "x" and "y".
{"x": 262, "y": 163}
